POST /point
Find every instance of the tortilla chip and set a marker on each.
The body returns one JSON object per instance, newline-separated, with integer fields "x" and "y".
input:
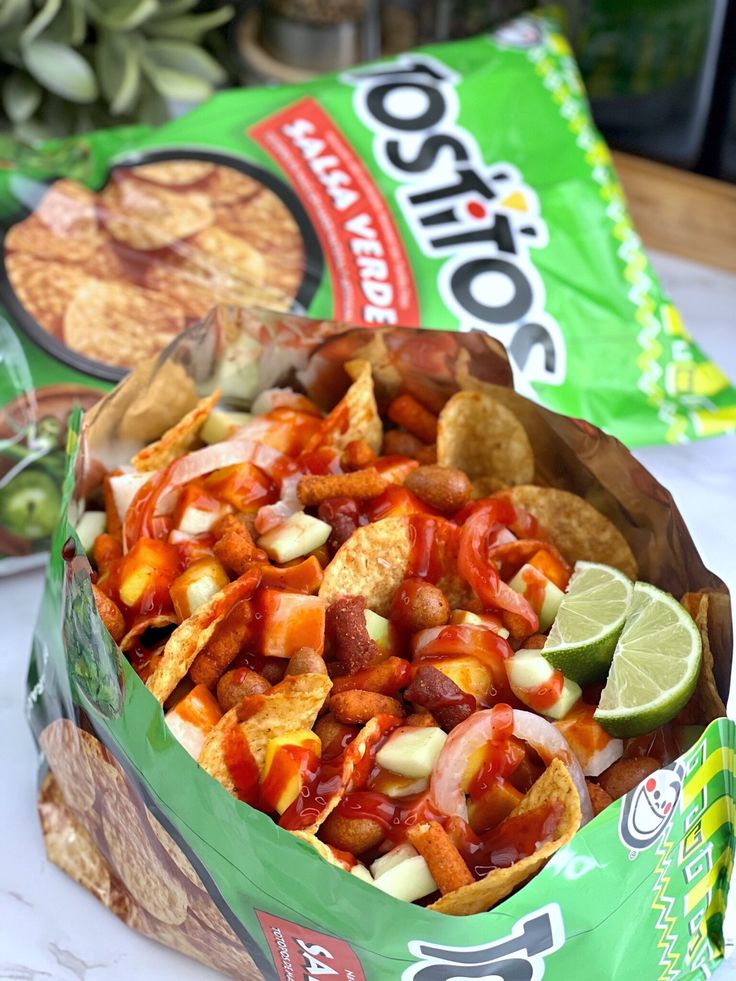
{"x": 149, "y": 216}
{"x": 478, "y": 435}
{"x": 176, "y": 173}
{"x": 290, "y": 705}
{"x": 216, "y": 249}
{"x": 263, "y": 221}
{"x": 575, "y": 527}
{"x": 69, "y": 844}
{"x": 45, "y": 288}
{"x": 81, "y": 764}
{"x": 192, "y": 636}
{"x": 356, "y": 414}
{"x": 130, "y": 844}
{"x": 64, "y": 225}
{"x": 178, "y": 440}
{"x": 149, "y": 623}
{"x": 225, "y": 185}
{"x": 554, "y": 784}
{"x": 376, "y": 559}
{"x": 368, "y": 736}
{"x": 706, "y": 703}
{"x": 120, "y": 324}
{"x": 325, "y": 852}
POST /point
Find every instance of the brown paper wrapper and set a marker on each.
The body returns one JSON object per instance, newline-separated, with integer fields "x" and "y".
{"x": 95, "y": 826}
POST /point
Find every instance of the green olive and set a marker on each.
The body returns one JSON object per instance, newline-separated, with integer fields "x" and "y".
{"x": 30, "y": 503}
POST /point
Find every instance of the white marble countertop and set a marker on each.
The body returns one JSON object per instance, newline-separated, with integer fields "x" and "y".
{"x": 52, "y": 930}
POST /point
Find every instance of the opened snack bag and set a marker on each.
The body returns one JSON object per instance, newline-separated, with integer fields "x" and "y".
{"x": 354, "y": 662}
{"x": 461, "y": 186}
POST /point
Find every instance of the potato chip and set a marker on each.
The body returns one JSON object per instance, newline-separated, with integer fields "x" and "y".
{"x": 192, "y": 636}
{"x": 147, "y": 216}
{"x": 555, "y": 784}
{"x": 178, "y": 440}
{"x": 377, "y": 558}
{"x": 290, "y": 705}
{"x": 137, "y": 862}
{"x": 120, "y": 324}
{"x": 176, "y": 173}
{"x": 575, "y": 527}
{"x": 706, "y": 703}
{"x": 355, "y": 417}
{"x": 478, "y": 435}
{"x": 45, "y": 288}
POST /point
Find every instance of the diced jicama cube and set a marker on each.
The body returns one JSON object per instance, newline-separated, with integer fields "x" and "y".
{"x": 196, "y": 585}
{"x": 193, "y": 717}
{"x": 289, "y": 621}
{"x": 299, "y": 535}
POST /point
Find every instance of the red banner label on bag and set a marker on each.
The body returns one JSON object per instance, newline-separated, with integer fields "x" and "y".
{"x": 370, "y": 273}
{"x": 301, "y": 954}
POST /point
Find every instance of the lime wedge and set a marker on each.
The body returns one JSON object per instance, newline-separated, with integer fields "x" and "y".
{"x": 655, "y": 665}
{"x": 588, "y": 623}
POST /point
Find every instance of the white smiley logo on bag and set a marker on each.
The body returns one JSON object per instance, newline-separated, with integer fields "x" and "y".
{"x": 647, "y": 811}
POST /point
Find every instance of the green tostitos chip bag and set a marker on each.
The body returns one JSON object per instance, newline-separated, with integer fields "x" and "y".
{"x": 337, "y": 748}
{"x": 461, "y": 186}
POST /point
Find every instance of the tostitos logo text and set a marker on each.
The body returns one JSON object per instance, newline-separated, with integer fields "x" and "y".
{"x": 481, "y": 219}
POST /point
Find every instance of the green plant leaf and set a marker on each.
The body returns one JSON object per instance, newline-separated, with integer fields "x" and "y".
{"x": 70, "y": 24}
{"x": 118, "y": 68}
{"x": 59, "y": 115}
{"x": 41, "y": 21}
{"x": 185, "y": 57}
{"x": 61, "y": 69}
{"x": 152, "y": 108}
{"x": 190, "y": 27}
{"x": 13, "y": 14}
{"x": 21, "y": 96}
{"x": 122, "y": 16}
{"x": 174, "y": 8}
{"x": 176, "y": 86}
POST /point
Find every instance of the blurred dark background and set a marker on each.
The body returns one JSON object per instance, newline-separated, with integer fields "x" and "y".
{"x": 661, "y": 74}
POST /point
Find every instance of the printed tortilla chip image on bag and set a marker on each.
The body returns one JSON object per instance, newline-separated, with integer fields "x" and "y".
{"x": 401, "y": 691}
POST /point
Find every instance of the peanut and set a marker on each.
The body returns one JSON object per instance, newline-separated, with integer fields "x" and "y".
{"x": 418, "y": 604}
{"x": 444, "y": 488}
{"x": 420, "y": 720}
{"x": 306, "y": 661}
{"x": 598, "y": 797}
{"x": 358, "y": 707}
{"x": 274, "y": 670}
{"x": 624, "y": 775}
{"x": 235, "y": 685}
{"x": 354, "y": 835}
{"x": 333, "y": 735}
